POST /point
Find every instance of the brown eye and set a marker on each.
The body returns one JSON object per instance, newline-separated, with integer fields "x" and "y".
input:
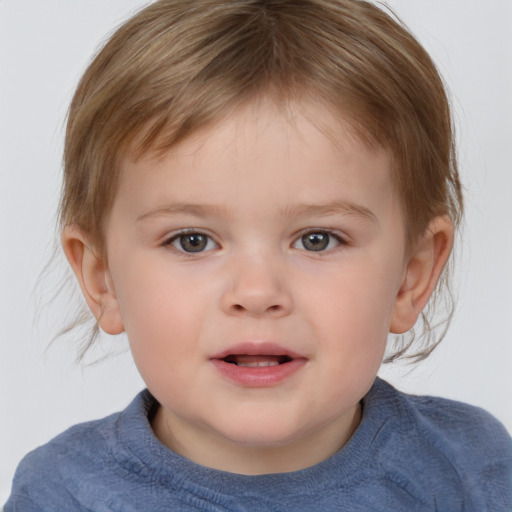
{"x": 193, "y": 242}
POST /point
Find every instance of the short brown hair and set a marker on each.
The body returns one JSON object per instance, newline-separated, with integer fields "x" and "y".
{"x": 177, "y": 66}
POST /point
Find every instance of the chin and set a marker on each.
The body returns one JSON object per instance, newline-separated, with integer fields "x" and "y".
{"x": 255, "y": 434}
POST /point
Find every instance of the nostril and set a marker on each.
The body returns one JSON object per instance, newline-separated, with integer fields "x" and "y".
{"x": 276, "y": 308}
{"x": 248, "y": 302}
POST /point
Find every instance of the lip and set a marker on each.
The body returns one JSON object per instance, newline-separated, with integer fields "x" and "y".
{"x": 257, "y": 349}
{"x": 261, "y": 376}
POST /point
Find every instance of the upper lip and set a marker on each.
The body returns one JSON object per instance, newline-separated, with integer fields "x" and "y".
{"x": 264, "y": 348}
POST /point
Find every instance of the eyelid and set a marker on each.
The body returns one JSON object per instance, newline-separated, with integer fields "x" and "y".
{"x": 342, "y": 238}
{"x": 169, "y": 239}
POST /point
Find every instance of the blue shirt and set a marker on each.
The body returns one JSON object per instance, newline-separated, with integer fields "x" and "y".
{"x": 408, "y": 454}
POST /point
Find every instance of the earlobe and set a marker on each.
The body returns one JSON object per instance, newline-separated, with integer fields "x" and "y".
{"x": 94, "y": 279}
{"x": 422, "y": 273}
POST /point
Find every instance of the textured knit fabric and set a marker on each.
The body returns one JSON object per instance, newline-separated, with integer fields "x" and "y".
{"x": 408, "y": 454}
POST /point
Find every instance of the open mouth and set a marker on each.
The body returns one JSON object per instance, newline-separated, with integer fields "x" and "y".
{"x": 255, "y": 361}
{"x": 258, "y": 365}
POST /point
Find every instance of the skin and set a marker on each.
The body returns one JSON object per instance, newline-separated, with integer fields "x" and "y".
{"x": 254, "y": 185}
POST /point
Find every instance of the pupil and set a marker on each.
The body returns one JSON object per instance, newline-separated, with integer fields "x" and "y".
{"x": 193, "y": 243}
{"x": 315, "y": 241}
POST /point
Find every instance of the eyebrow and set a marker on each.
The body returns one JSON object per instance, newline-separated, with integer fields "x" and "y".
{"x": 332, "y": 208}
{"x": 196, "y": 210}
{"x": 295, "y": 210}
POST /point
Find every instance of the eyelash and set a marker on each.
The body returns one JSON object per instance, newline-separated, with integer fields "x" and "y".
{"x": 340, "y": 241}
{"x": 183, "y": 234}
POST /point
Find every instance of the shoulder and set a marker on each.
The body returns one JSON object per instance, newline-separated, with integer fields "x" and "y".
{"x": 47, "y": 476}
{"x": 448, "y": 423}
{"x": 58, "y": 473}
{"x": 463, "y": 432}
{"x": 453, "y": 445}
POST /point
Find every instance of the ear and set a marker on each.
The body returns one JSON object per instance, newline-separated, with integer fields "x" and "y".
{"x": 94, "y": 278}
{"x": 422, "y": 273}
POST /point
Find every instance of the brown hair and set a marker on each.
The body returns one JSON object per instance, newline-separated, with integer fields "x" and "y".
{"x": 178, "y": 66}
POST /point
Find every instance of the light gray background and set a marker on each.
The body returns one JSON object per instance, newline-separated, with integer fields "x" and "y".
{"x": 44, "y": 47}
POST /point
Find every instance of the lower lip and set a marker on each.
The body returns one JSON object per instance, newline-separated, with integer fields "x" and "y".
{"x": 259, "y": 376}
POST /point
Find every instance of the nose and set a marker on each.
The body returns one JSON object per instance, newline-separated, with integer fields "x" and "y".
{"x": 256, "y": 289}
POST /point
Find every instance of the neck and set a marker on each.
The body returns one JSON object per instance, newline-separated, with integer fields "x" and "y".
{"x": 207, "y": 448}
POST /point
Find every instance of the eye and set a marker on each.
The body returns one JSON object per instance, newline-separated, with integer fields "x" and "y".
{"x": 318, "y": 241}
{"x": 192, "y": 242}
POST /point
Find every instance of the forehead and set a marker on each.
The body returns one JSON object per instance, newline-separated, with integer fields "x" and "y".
{"x": 315, "y": 156}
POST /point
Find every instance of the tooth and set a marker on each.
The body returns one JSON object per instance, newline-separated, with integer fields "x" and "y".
{"x": 268, "y": 363}
{"x": 254, "y": 364}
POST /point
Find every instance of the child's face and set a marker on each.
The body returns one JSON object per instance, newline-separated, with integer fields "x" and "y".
{"x": 258, "y": 242}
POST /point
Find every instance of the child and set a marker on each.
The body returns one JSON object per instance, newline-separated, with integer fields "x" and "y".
{"x": 257, "y": 193}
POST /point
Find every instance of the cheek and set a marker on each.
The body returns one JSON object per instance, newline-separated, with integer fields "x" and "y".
{"x": 150, "y": 294}
{"x": 350, "y": 318}
{"x": 163, "y": 334}
{"x": 167, "y": 313}
{"x": 357, "y": 301}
